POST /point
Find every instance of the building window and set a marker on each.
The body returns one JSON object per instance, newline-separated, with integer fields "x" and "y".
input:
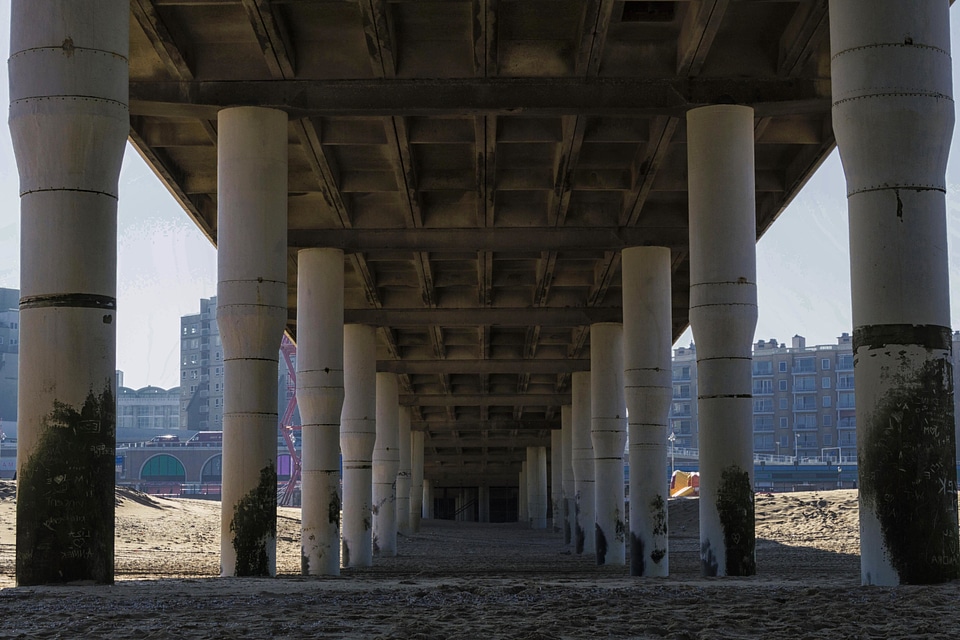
{"x": 825, "y": 382}
{"x": 783, "y": 403}
{"x": 783, "y": 367}
{"x": 827, "y": 439}
{"x": 825, "y": 363}
{"x": 827, "y": 422}
{"x": 826, "y": 401}
{"x": 783, "y": 423}
{"x": 193, "y": 358}
{"x": 763, "y": 423}
{"x": 783, "y": 385}
{"x": 183, "y": 375}
{"x": 762, "y": 368}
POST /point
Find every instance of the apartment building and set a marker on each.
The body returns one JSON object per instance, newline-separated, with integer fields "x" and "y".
{"x": 803, "y": 398}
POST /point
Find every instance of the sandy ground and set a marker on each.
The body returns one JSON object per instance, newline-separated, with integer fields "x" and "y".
{"x": 466, "y": 580}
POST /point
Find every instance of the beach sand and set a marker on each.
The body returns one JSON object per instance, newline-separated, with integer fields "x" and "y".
{"x": 471, "y": 580}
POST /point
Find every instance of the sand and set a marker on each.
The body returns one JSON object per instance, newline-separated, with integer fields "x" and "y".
{"x": 468, "y": 580}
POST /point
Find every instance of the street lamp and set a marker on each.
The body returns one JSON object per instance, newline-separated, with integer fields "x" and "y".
{"x": 672, "y": 438}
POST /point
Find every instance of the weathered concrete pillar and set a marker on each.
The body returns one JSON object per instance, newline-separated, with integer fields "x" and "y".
{"x": 251, "y": 314}
{"x": 723, "y": 316}
{"x": 386, "y": 465}
{"x": 569, "y": 484}
{"x": 585, "y": 535}
{"x": 556, "y": 484}
{"x": 537, "y": 486}
{"x": 483, "y": 503}
{"x": 427, "y": 499}
{"x": 647, "y": 340}
{"x": 320, "y": 398}
{"x": 68, "y": 151}
{"x": 893, "y": 116}
{"x": 403, "y": 475}
{"x": 609, "y": 435}
{"x": 416, "y": 480}
{"x": 522, "y": 501}
{"x": 358, "y": 433}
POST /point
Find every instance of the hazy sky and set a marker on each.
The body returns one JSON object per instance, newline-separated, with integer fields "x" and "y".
{"x": 165, "y": 265}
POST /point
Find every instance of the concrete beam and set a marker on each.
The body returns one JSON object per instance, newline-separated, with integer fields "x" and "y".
{"x": 672, "y": 96}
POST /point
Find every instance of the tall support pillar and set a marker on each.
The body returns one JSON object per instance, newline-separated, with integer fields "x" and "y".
{"x": 893, "y": 116}
{"x": 386, "y": 465}
{"x": 723, "y": 316}
{"x": 523, "y": 507}
{"x": 403, "y": 475}
{"x": 569, "y": 484}
{"x": 427, "y": 499}
{"x": 68, "y": 154}
{"x": 358, "y": 433}
{"x": 416, "y": 480}
{"x": 483, "y": 503}
{"x": 320, "y": 398}
{"x": 583, "y": 469}
{"x": 647, "y": 339}
{"x": 537, "y": 486}
{"x": 251, "y": 314}
{"x": 556, "y": 484}
{"x": 609, "y": 435}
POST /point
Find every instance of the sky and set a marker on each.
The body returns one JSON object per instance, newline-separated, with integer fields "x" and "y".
{"x": 165, "y": 265}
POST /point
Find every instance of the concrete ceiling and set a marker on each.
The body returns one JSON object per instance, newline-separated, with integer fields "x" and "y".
{"x": 481, "y": 163}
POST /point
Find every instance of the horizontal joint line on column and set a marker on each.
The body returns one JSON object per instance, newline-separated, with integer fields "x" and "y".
{"x": 83, "y": 98}
{"x": 257, "y": 280}
{"x": 723, "y": 358}
{"x": 610, "y": 458}
{"x": 898, "y": 187}
{"x": 74, "y": 300}
{"x": 935, "y": 95}
{"x": 884, "y": 45}
{"x": 713, "y": 282}
{"x": 95, "y": 192}
{"x": 731, "y": 396}
{"x": 241, "y": 359}
{"x": 72, "y": 49}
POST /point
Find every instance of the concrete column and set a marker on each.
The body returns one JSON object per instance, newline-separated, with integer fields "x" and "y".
{"x": 68, "y": 154}
{"x": 428, "y": 499}
{"x": 386, "y": 465}
{"x": 251, "y": 314}
{"x": 556, "y": 484}
{"x": 609, "y": 435}
{"x": 723, "y": 315}
{"x": 537, "y": 486}
{"x": 893, "y": 116}
{"x": 569, "y": 484}
{"x": 358, "y": 432}
{"x": 403, "y": 475}
{"x": 320, "y": 398}
{"x": 524, "y": 507}
{"x": 416, "y": 480}
{"x": 582, "y": 457}
{"x": 647, "y": 340}
{"x": 483, "y": 503}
